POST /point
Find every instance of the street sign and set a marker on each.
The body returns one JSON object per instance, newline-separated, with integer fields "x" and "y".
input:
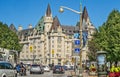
{"x": 77, "y": 42}
{"x": 76, "y": 35}
{"x": 77, "y": 50}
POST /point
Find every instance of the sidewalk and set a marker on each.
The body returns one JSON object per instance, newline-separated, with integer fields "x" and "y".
{"x": 72, "y": 73}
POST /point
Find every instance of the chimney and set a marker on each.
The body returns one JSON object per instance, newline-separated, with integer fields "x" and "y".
{"x": 20, "y": 28}
{"x": 30, "y": 26}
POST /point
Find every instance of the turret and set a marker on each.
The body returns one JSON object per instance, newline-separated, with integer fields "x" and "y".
{"x": 48, "y": 20}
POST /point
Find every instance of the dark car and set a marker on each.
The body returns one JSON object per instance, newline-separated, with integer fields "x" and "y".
{"x": 58, "y": 69}
{"x": 35, "y": 68}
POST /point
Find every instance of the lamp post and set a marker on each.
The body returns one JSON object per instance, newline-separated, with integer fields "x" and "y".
{"x": 49, "y": 59}
{"x": 80, "y": 30}
{"x": 101, "y": 62}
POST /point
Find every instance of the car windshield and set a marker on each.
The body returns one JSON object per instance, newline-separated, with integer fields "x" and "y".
{"x": 57, "y": 67}
{"x": 35, "y": 65}
{"x": 44, "y": 66}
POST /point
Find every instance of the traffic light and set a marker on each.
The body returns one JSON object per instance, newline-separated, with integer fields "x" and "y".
{"x": 31, "y": 48}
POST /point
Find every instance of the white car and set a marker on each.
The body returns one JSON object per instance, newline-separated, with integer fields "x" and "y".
{"x": 35, "y": 68}
{"x": 7, "y": 69}
{"x": 46, "y": 68}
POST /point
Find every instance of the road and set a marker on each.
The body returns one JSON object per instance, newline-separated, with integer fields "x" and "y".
{"x": 46, "y": 74}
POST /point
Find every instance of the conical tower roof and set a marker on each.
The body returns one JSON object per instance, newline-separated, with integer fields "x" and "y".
{"x": 55, "y": 24}
{"x": 85, "y": 14}
{"x": 12, "y": 27}
{"x": 48, "y": 11}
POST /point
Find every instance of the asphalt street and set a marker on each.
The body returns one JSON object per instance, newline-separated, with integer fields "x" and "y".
{"x": 46, "y": 74}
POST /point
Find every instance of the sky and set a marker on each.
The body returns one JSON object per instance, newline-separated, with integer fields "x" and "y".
{"x": 25, "y": 12}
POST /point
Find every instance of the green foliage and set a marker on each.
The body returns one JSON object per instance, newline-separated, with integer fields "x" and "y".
{"x": 8, "y": 38}
{"x": 108, "y": 36}
{"x": 92, "y": 47}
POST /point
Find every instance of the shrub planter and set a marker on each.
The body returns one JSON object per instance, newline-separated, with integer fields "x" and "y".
{"x": 117, "y": 74}
{"x": 112, "y": 74}
{"x": 92, "y": 73}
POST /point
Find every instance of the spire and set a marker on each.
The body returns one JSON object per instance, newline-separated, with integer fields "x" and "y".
{"x": 12, "y": 27}
{"x": 85, "y": 14}
{"x": 48, "y": 11}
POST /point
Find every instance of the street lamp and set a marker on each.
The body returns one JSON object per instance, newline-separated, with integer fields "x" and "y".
{"x": 101, "y": 62}
{"x": 49, "y": 59}
{"x": 80, "y": 28}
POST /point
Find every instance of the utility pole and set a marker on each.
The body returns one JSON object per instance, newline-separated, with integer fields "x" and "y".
{"x": 81, "y": 40}
{"x": 80, "y": 31}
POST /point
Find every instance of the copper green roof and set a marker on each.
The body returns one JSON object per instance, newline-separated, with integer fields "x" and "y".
{"x": 40, "y": 25}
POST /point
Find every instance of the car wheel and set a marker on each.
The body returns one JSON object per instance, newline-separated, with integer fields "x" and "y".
{"x": 30, "y": 72}
{"x": 16, "y": 75}
{"x": 4, "y": 76}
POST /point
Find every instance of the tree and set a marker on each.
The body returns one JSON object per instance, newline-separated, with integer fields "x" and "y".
{"x": 9, "y": 39}
{"x": 108, "y": 37}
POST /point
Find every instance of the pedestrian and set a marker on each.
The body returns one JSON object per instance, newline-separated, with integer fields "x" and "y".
{"x": 18, "y": 68}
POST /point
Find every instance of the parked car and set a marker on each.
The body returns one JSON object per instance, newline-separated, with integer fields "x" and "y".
{"x": 65, "y": 67}
{"x": 35, "y": 68}
{"x": 7, "y": 69}
{"x": 58, "y": 69}
{"x": 46, "y": 68}
{"x": 72, "y": 67}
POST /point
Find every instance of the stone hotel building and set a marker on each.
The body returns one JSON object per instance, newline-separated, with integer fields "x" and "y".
{"x": 50, "y": 42}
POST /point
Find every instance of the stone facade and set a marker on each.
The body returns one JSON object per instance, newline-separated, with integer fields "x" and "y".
{"x": 50, "y": 42}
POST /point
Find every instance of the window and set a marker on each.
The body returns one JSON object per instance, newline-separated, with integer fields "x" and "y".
{"x": 26, "y": 47}
{"x": 34, "y": 47}
{"x": 59, "y": 40}
{"x": 26, "y": 51}
{"x": 2, "y": 66}
{"x": 59, "y": 50}
{"x": 59, "y": 46}
{"x": 40, "y": 55}
{"x": 26, "y": 55}
{"x": 52, "y": 55}
{"x": 34, "y": 51}
{"x": 23, "y": 56}
{"x": 52, "y": 61}
{"x": 8, "y": 66}
{"x": 52, "y": 41}
{"x": 38, "y": 50}
{"x": 52, "y": 46}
